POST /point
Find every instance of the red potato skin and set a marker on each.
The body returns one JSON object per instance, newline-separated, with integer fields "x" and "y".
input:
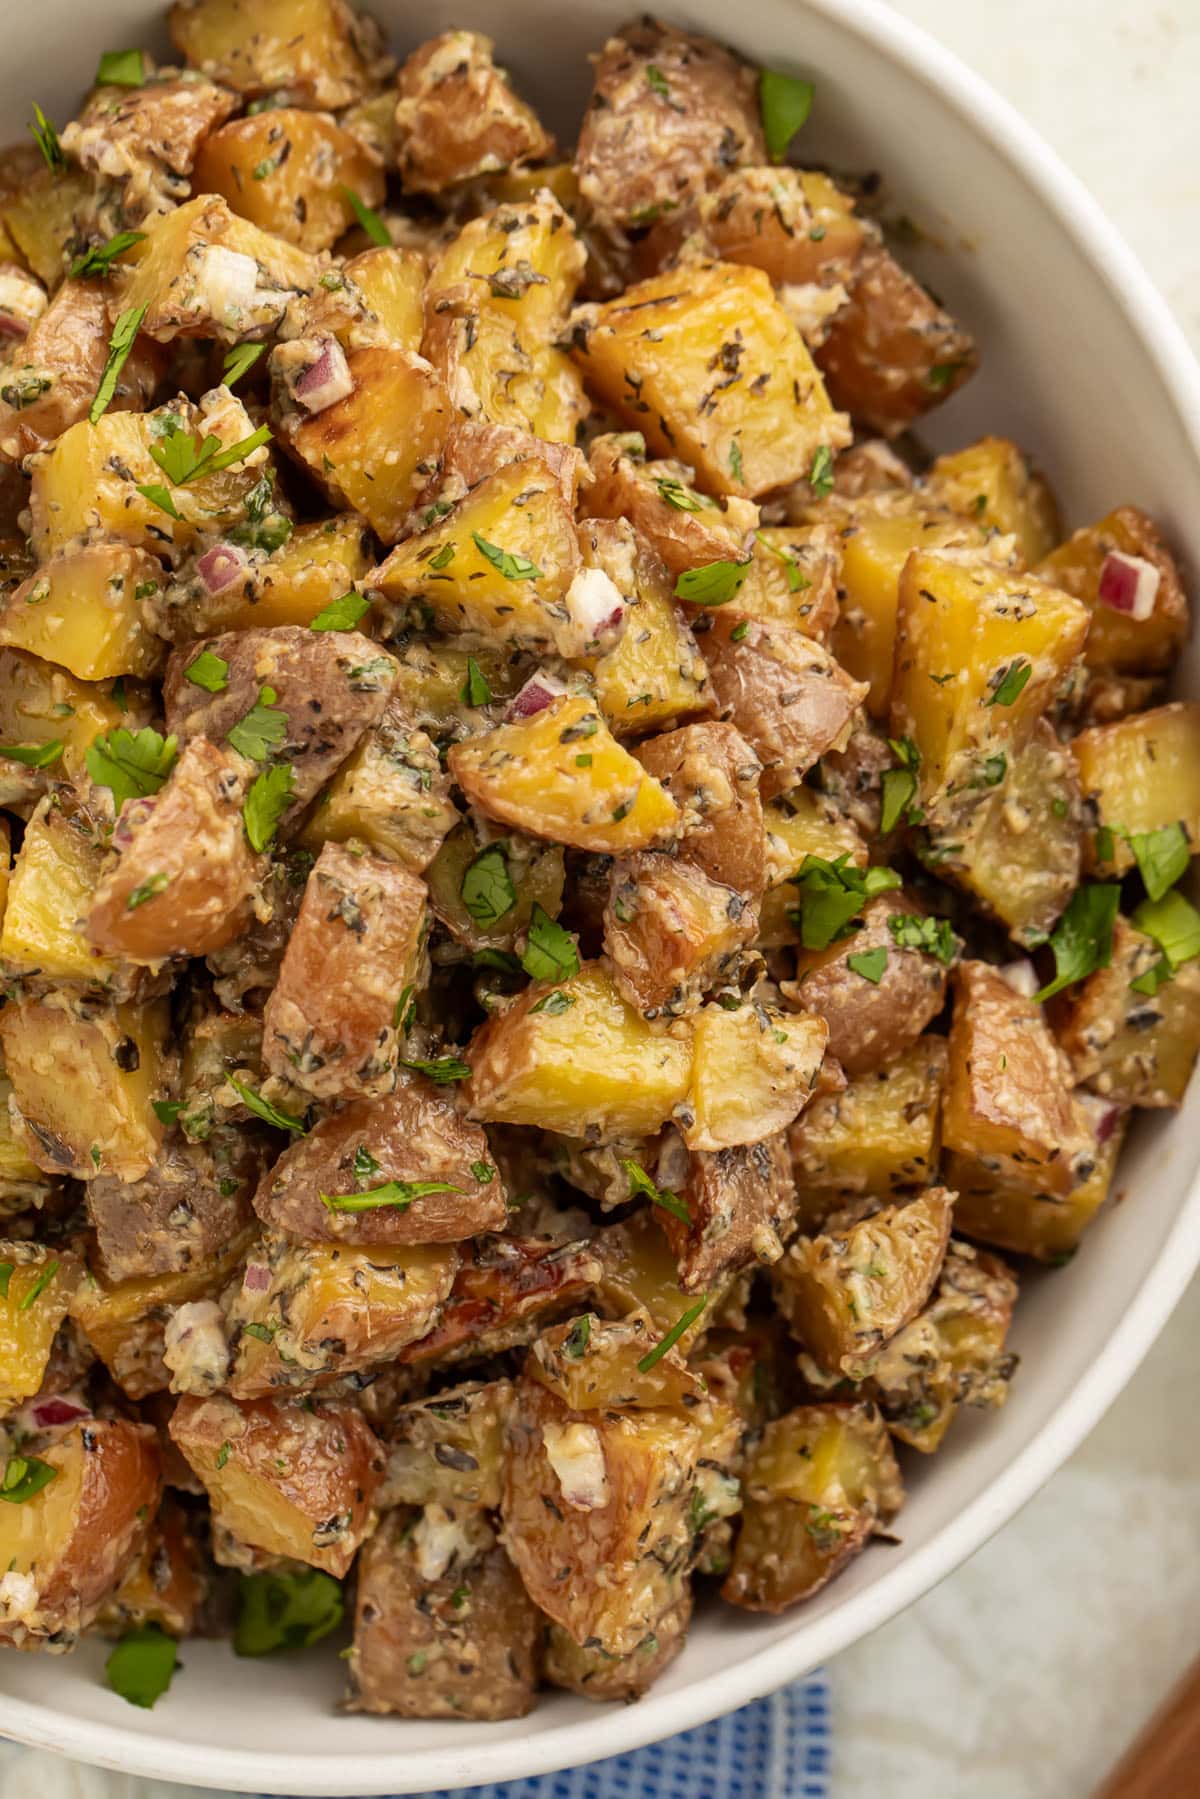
{"x": 415, "y": 1134}
{"x": 742, "y": 1207}
{"x": 457, "y": 117}
{"x": 178, "y": 1216}
{"x": 642, "y": 151}
{"x": 712, "y": 774}
{"x": 871, "y": 1023}
{"x": 193, "y": 834}
{"x": 505, "y": 1291}
{"x": 122, "y": 1485}
{"x": 332, "y": 685}
{"x": 329, "y": 1023}
{"x": 68, "y": 348}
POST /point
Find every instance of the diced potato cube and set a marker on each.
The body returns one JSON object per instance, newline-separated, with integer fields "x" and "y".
{"x": 50, "y": 893}
{"x": 847, "y": 1291}
{"x": 50, "y": 381}
{"x": 1117, "y": 640}
{"x": 670, "y": 114}
{"x": 1009, "y": 1112}
{"x": 794, "y": 223}
{"x": 1133, "y": 1048}
{"x": 87, "y": 485}
{"x": 23, "y": 1185}
{"x": 741, "y": 1206}
{"x": 877, "y": 538}
{"x": 654, "y": 677}
{"x": 873, "y": 1013}
{"x": 42, "y": 704}
{"x": 671, "y": 934}
{"x": 375, "y": 449}
{"x": 993, "y": 484}
{"x": 393, "y": 795}
{"x": 87, "y": 612}
{"x": 413, "y": 1134}
{"x": 1020, "y": 1214}
{"x": 391, "y": 281}
{"x": 503, "y": 1293}
{"x": 777, "y": 1056}
{"x": 44, "y": 211}
{"x": 500, "y": 564}
{"x": 822, "y": 1479}
{"x": 294, "y": 1480}
{"x": 331, "y": 1309}
{"x": 74, "y": 1539}
{"x": 457, "y": 116}
{"x": 980, "y": 654}
{"x": 288, "y": 172}
{"x": 324, "y": 50}
{"x": 330, "y": 1024}
{"x": 595, "y": 1674}
{"x": 37, "y": 1287}
{"x": 444, "y": 1627}
{"x": 952, "y": 1354}
{"x": 621, "y": 1482}
{"x": 592, "y": 1062}
{"x": 84, "y": 1078}
{"x": 712, "y": 774}
{"x": 1021, "y": 848}
{"x": 559, "y": 773}
{"x": 660, "y": 500}
{"x": 142, "y": 140}
{"x": 449, "y": 1449}
{"x": 1140, "y": 774}
{"x": 318, "y": 564}
{"x": 125, "y": 1321}
{"x": 715, "y": 372}
{"x": 793, "y": 579}
{"x": 639, "y": 1276}
{"x": 165, "y": 1584}
{"x": 893, "y": 352}
{"x": 880, "y": 1133}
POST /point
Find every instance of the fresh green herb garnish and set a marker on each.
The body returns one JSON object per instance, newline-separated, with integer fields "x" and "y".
{"x": 266, "y": 803}
{"x": 1162, "y": 857}
{"x": 1082, "y": 938}
{"x": 133, "y": 764}
{"x": 681, "y": 1324}
{"x": 239, "y": 361}
{"x": 550, "y": 953}
{"x": 1011, "y": 683}
{"x": 657, "y": 80}
{"x": 554, "y": 1004}
{"x": 286, "y": 1611}
{"x": 263, "y": 729}
{"x": 157, "y": 883}
{"x": 870, "y": 964}
{"x": 933, "y": 935}
{"x": 46, "y": 138}
{"x": 209, "y": 672}
{"x": 735, "y": 460}
{"x": 140, "y": 1667}
{"x": 367, "y": 217}
{"x": 167, "y": 1110}
{"x": 898, "y": 786}
{"x": 784, "y": 101}
{"x": 399, "y": 1194}
{"x": 475, "y": 690}
{"x": 33, "y": 755}
{"x": 513, "y": 567}
{"x": 184, "y": 458}
{"x": 99, "y": 259}
{"x": 713, "y": 584}
{"x": 682, "y": 498}
{"x": 262, "y": 1108}
{"x": 442, "y": 1070}
{"x": 1174, "y": 924}
{"x": 640, "y": 1182}
{"x": 25, "y": 1476}
{"x": 832, "y": 894}
{"x": 119, "y": 345}
{"x": 820, "y": 475}
{"x": 797, "y": 580}
{"x": 121, "y": 68}
{"x": 487, "y": 889}
{"x": 341, "y": 614}
{"x": 578, "y": 1337}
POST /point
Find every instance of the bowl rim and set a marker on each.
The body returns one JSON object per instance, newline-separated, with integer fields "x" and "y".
{"x": 615, "y": 1729}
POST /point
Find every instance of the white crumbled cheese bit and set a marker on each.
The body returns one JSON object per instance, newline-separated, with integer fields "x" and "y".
{"x": 576, "y": 1455}
{"x": 195, "y": 1349}
{"x": 18, "y": 1596}
{"x": 594, "y": 604}
{"x": 1021, "y": 977}
{"x": 443, "y": 1538}
{"x": 811, "y": 306}
{"x": 226, "y": 280}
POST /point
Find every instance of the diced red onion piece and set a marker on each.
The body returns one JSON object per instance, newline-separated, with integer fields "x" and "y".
{"x": 594, "y": 604}
{"x": 1129, "y": 584}
{"x": 12, "y": 327}
{"x": 538, "y": 692}
{"x": 326, "y": 380}
{"x": 257, "y": 1278}
{"x": 1107, "y": 1123}
{"x": 220, "y": 567}
{"x": 58, "y": 1410}
{"x": 134, "y": 814}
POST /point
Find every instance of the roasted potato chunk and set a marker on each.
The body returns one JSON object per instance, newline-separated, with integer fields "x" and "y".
{"x": 181, "y": 1215}
{"x": 448, "y": 1450}
{"x": 846, "y": 1292}
{"x": 165, "y": 1584}
{"x": 323, "y": 50}
{"x": 294, "y": 1480}
{"x": 1131, "y": 583}
{"x": 793, "y": 223}
{"x": 777, "y": 1056}
{"x": 1009, "y": 1113}
{"x": 534, "y": 775}
{"x": 594, "y": 1673}
{"x": 654, "y": 677}
{"x": 660, "y": 500}
{"x": 184, "y": 876}
{"x": 712, "y": 774}
{"x": 288, "y": 171}
{"x": 85, "y": 1076}
{"x": 892, "y": 352}
{"x": 1134, "y": 1044}
{"x": 880, "y": 1133}
{"x": 457, "y": 116}
{"x": 444, "y": 1627}
{"x": 671, "y": 933}
{"x": 740, "y": 1205}
{"x": 37, "y": 1287}
{"x": 821, "y": 1481}
{"x": 1007, "y": 640}
{"x": 392, "y": 794}
{"x": 325, "y": 690}
{"x": 42, "y": 704}
{"x": 585, "y": 1061}
{"x": 67, "y": 1545}
{"x": 620, "y": 1483}
{"x": 994, "y": 485}
{"x": 146, "y": 138}
{"x": 876, "y": 1007}
{"x": 806, "y": 823}
{"x": 1141, "y": 774}
{"x": 410, "y": 1136}
{"x": 51, "y": 380}
{"x": 330, "y": 1024}
{"x": 306, "y": 1314}
{"x": 50, "y": 891}
{"x": 670, "y": 114}
{"x": 652, "y": 354}
{"x": 287, "y": 585}
{"x": 89, "y": 612}
{"x": 484, "y": 887}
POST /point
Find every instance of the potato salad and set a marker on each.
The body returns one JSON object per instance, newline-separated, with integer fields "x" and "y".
{"x": 577, "y": 908}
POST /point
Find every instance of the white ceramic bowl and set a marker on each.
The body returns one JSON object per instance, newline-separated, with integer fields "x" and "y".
{"x": 1084, "y": 365}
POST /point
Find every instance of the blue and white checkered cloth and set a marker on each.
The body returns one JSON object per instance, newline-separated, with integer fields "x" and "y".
{"x": 775, "y": 1748}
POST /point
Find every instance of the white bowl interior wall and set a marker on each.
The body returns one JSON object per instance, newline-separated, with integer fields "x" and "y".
{"x": 1082, "y": 364}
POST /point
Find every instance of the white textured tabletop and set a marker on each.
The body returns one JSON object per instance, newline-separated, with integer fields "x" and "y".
{"x": 1025, "y": 1674}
